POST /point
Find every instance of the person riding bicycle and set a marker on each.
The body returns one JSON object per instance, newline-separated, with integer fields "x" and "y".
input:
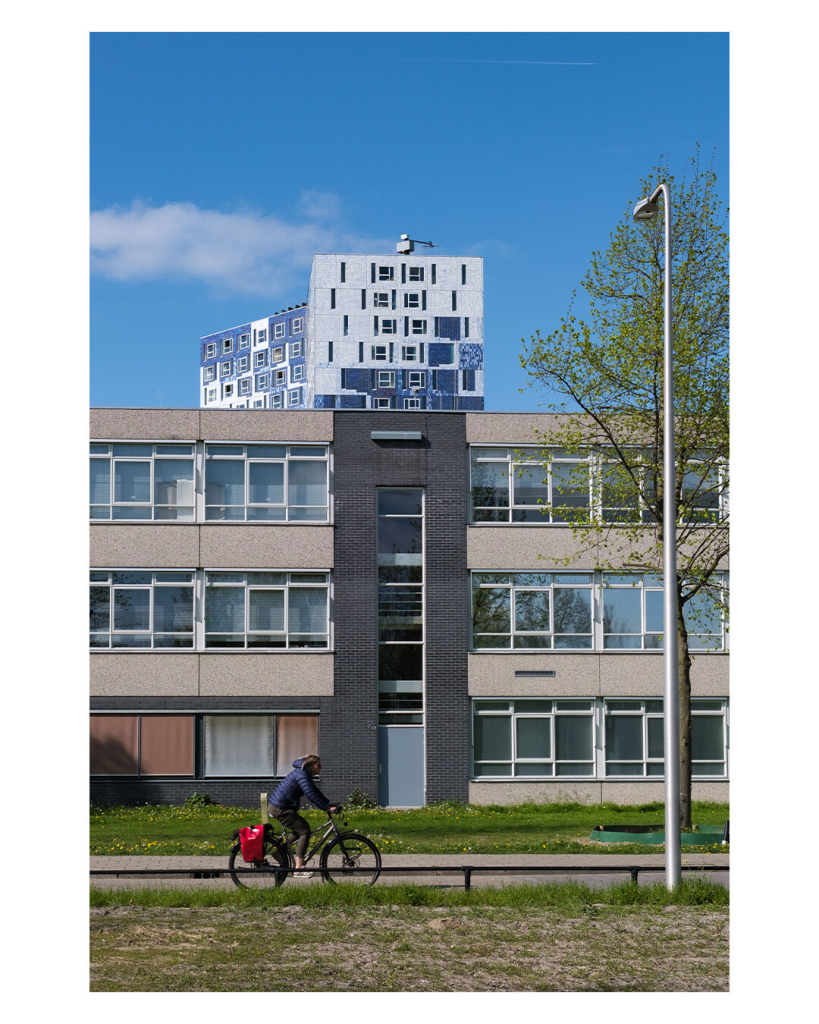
{"x": 285, "y": 800}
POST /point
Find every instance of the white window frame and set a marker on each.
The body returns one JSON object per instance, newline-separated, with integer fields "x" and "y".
{"x": 149, "y": 510}
{"x": 277, "y": 354}
{"x": 386, "y": 274}
{"x": 261, "y": 336}
{"x": 416, "y": 274}
{"x": 382, "y": 403}
{"x": 211, "y": 395}
{"x": 209, "y": 373}
{"x": 227, "y": 345}
{"x": 412, "y": 403}
{"x": 297, "y": 372}
{"x": 227, "y": 391}
{"x": 210, "y": 350}
{"x": 378, "y": 353}
{"x": 389, "y": 326}
{"x": 278, "y": 331}
{"x": 526, "y": 709}
{"x": 385, "y": 379}
{"x": 409, "y": 353}
{"x": 276, "y": 401}
{"x": 244, "y": 386}
{"x": 242, "y": 364}
{"x": 155, "y": 579}
{"x": 381, "y": 300}
{"x": 248, "y": 454}
{"x": 280, "y": 378}
{"x": 225, "y": 368}
{"x": 259, "y": 359}
{"x": 293, "y": 397}
{"x": 416, "y": 379}
{"x": 244, "y": 341}
{"x": 412, "y": 300}
{"x": 262, "y": 381}
{"x": 297, "y": 325}
{"x": 296, "y": 349}
{"x": 418, "y": 326}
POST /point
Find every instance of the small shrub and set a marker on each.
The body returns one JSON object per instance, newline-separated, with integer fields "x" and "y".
{"x": 198, "y": 800}
{"x": 360, "y": 800}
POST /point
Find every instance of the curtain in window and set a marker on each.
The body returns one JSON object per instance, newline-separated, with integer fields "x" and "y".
{"x": 297, "y": 736}
{"x": 240, "y": 745}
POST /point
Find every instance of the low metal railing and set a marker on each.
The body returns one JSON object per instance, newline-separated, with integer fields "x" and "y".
{"x": 467, "y": 869}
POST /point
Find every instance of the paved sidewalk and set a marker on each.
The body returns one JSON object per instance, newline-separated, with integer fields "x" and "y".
{"x": 441, "y": 878}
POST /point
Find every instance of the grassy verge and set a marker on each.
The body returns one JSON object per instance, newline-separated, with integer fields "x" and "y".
{"x": 417, "y": 947}
{"x": 440, "y": 828}
{"x": 565, "y": 895}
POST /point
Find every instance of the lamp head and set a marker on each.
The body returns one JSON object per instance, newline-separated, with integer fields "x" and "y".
{"x": 644, "y": 210}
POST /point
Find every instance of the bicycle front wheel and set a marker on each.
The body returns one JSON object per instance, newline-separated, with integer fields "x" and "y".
{"x": 350, "y": 850}
{"x": 264, "y": 875}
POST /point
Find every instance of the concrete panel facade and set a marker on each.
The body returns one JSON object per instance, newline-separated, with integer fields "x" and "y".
{"x": 493, "y": 675}
{"x": 144, "y": 545}
{"x": 499, "y": 546}
{"x": 145, "y": 424}
{"x": 115, "y": 674}
{"x": 507, "y": 427}
{"x": 265, "y": 425}
{"x": 588, "y": 793}
{"x": 266, "y": 675}
{"x": 262, "y": 546}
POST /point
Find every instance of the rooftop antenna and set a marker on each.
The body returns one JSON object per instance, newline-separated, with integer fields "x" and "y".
{"x": 407, "y": 245}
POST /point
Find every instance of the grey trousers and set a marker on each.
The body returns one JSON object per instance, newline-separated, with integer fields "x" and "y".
{"x": 292, "y": 822}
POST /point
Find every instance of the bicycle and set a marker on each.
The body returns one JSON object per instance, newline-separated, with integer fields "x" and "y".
{"x": 345, "y": 850}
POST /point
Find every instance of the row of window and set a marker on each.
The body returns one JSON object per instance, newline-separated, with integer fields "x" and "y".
{"x": 518, "y": 485}
{"x": 510, "y": 611}
{"x": 604, "y": 738}
{"x": 277, "y": 331}
{"x": 414, "y": 326}
{"x": 200, "y": 745}
{"x": 249, "y": 482}
{"x": 158, "y": 609}
{"x": 527, "y": 738}
{"x": 242, "y": 363}
{"x": 242, "y": 388}
{"x": 381, "y": 273}
{"x": 387, "y": 300}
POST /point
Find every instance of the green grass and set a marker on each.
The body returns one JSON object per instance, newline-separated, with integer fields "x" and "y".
{"x": 567, "y": 896}
{"x": 441, "y": 828}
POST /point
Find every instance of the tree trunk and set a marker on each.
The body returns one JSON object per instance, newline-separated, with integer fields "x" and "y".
{"x": 684, "y": 690}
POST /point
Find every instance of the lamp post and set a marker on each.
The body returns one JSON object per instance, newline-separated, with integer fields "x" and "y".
{"x": 645, "y": 210}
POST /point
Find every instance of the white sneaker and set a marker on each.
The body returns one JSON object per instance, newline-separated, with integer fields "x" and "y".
{"x": 303, "y": 873}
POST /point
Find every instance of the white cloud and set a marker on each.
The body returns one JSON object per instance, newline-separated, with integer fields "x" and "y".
{"x": 244, "y": 252}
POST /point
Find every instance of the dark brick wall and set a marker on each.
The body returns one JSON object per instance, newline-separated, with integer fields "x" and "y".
{"x": 438, "y": 463}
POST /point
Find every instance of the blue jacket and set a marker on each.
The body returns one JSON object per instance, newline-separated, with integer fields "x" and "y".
{"x": 289, "y": 791}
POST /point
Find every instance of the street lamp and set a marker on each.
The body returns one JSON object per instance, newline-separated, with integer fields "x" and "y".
{"x": 645, "y": 210}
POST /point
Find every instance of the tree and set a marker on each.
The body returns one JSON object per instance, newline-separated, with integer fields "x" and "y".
{"x": 608, "y": 370}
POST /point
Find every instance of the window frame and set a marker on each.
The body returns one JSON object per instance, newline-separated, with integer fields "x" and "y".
{"x": 156, "y": 456}
{"x": 151, "y": 633}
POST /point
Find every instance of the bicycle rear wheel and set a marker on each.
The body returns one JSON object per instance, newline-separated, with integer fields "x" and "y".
{"x": 266, "y": 874}
{"x": 350, "y": 850}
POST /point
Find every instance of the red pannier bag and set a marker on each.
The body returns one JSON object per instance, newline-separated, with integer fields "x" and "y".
{"x": 252, "y": 840}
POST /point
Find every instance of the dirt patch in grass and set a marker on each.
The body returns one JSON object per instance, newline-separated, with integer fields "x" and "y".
{"x": 409, "y": 949}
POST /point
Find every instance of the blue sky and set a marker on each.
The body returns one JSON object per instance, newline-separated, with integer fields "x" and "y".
{"x": 221, "y": 162}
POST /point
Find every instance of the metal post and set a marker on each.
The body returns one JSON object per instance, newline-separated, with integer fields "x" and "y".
{"x": 645, "y": 210}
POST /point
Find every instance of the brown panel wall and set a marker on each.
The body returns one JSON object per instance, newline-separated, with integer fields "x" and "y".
{"x": 166, "y": 745}
{"x": 114, "y": 744}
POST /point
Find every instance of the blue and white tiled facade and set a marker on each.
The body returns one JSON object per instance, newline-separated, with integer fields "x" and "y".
{"x": 400, "y": 331}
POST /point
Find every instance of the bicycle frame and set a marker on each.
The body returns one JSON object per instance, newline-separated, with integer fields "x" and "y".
{"x": 330, "y": 828}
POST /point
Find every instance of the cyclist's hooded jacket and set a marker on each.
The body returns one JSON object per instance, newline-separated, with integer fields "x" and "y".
{"x": 287, "y": 795}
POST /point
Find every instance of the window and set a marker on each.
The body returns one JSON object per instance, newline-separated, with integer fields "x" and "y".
{"x": 264, "y": 745}
{"x": 275, "y": 401}
{"x": 432, "y": 273}
{"x": 332, "y": 298}
{"x": 400, "y": 559}
{"x": 297, "y": 372}
{"x": 409, "y": 353}
{"x": 277, "y": 354}
{"x": 412, "y": 403}
{"x": 262, "y": 381}
{"x": 385, "y": 379}
{"x": 532, "y": 609}
{"x": 142, "y": 481}
{"x": 224, "y": 368}
{"x": 386, "y": 273}
{"x": 465, "y": 385}
{"x": 294, "y": 397}
{"x": 244, "y": 341}
{"x": 633, "y": 613}
{"x": 346, "y": 325}
{"x": 466, "y": 326}
{"x": 416, "y": 379}
{"x": 145, "y": 609}
{"x": 419, "y": 327}
{"x": 329, "y": 351}
{"x": 412, "y": 300}
{"x": 343, "y": 270}
{"x": 532, "y": 738}
{"x": 261, "y": 337}
{"x": 297, "y": 325}
{"x": 634, "y": 741}
{"x": 267, "y": 609}
{"x": 463, "y": 273}
{"x": 416, "y": 273}
{"x": 381, "y": 403}
{"x": 364, "y": 297}
{"x": 381, "y": 300}
{"x": 260, "y": 358}
{"x": 516, "y": 485}
{"x": 211, "y": 395}
{"x": 210, "y": 373}
{"x": 278, "y": 331}
{"x": 228, "y": 391}
{"x": 244, "y": 386}
{"x": 227, "y": 345}
{"x": 454, "y": 300}
{"x": 296, "y": 349}
{"x": 242, "y": 364}
{"x": 378, "y": 352}
{"x": 210, "y": 351}
{"x": 266, "y": 482}
{"x": 258, "y": 403}
{"x": 389, "y": 327}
